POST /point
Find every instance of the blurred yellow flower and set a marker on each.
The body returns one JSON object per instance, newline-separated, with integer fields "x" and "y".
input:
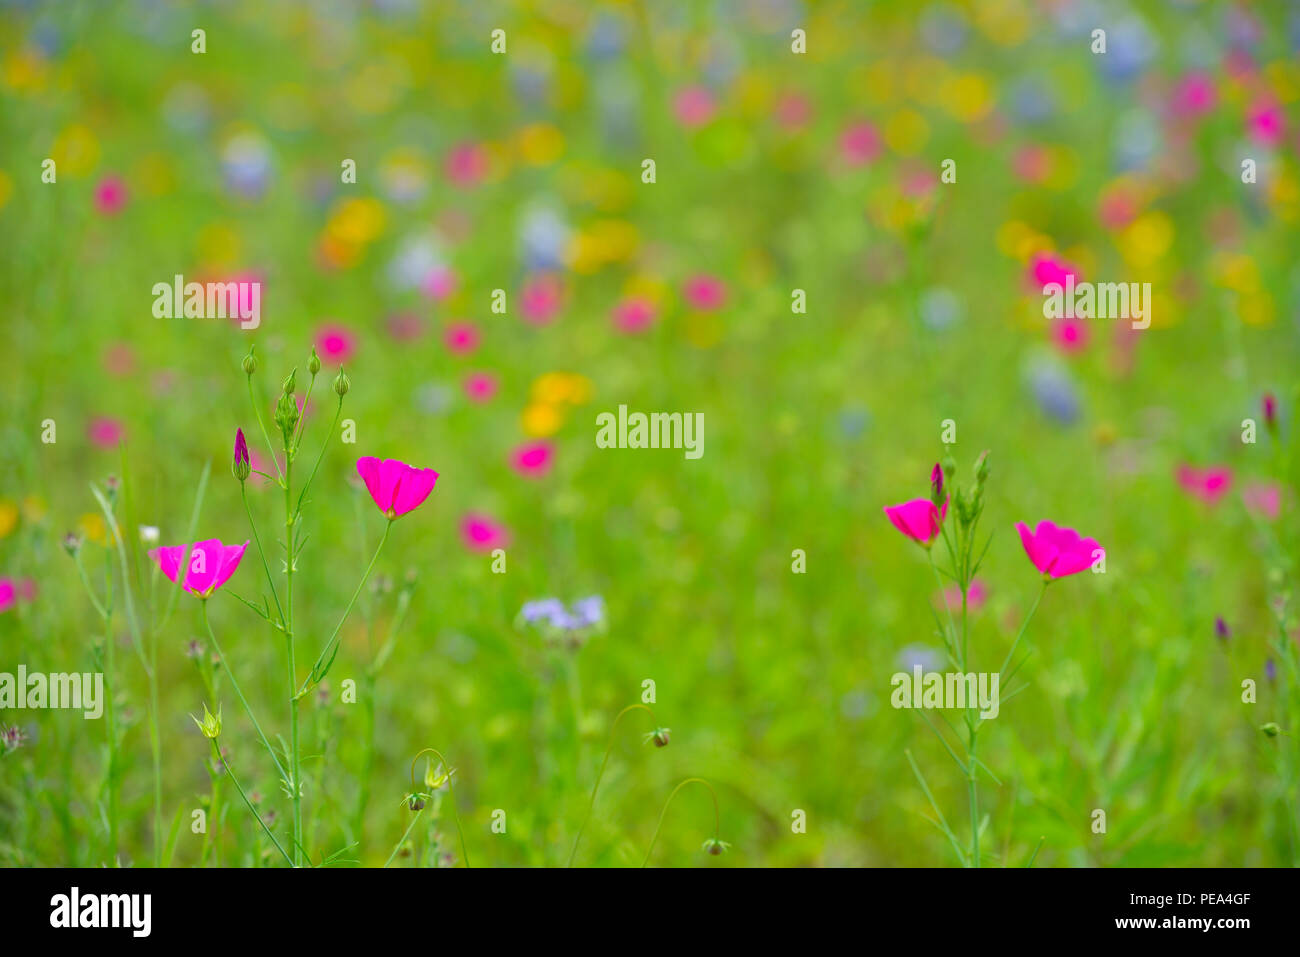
{"x": 541, "y": 419}
{"x": 1256, "y": 310}
{"x": 25, "y": 70}
{"x": 540, "y": 144}
{"x": 218, "y": 245}
{"x": 906, "y": 132}
{"x": 92, "y": 527}
{"x": 968, "y": 97}
{"x": 1146, "y": 239}
{"x": 75, "y": 151}
{"x": 8, "y": 518}
{"x": 1235, "y": 271}
{"x": 357, "y": 221}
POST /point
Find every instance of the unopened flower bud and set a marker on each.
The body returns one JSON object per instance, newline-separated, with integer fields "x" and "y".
{"x": 415, "y": 802}
{"x": 982, "y": 467}
{"x": 341, "y": 383}
{"x": 211, "y": 723}
{"x": 313, "y": 364}
{"x": 250, "y": 362}
{"x": 949, "y": 467}
{"x": 290, "y": 383}
{"x": 72, "y": 543}
{"x": 1271, "y": 729}
{"x": 661, "y": 737}
{"x": 715, "y": 846}
{"x": 936, "y": 484}
{"x": 241, "y": 466}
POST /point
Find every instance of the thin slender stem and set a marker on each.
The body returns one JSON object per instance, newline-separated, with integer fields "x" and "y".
{"x": 226, "y": 764}
{"x": 324, "y": 445}
{"x": 601, "y": 773}
{"x": 290, "y": 528}
{"x": 717, "y": 816}
{"x": 257, "y": 410}
{"x": 337, "y": 628}
{"x": 225, "y": 662}
{"x": 403, "y": 838}
{"x": 1023, "y": 625}
{"x": 257, "y": 539}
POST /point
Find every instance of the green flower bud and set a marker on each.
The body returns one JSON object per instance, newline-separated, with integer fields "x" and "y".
{"x": 313, "y": 364}
{"x": 211, "y": 723}
{"x": 1271, "y": 729}
{"x": 982, "y": 467}
{"x": 715, "y": 846}
{"x": 291, "y": 383}
{"x": 660, "y": 736}
{"x": 250, "y": 361}
{"x": 341, "y": 383}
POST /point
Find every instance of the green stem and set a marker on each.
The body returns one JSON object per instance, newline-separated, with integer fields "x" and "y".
{"x": 1023, "y": 625}
{"x": 226, "y": 764}
{"x": 257, "y": 410}
{"x": 402, "y": 839}
{"x": 601, "y": 773}
{"x": 717, "y": 817}
{"x": 225, "y": 662}
{"x": 347, "y": 611}
{"x": 257, "y": 539}
{"x": 290, "y": 522}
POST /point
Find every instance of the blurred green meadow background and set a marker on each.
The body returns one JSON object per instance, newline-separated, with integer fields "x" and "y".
{"x": 775, "y": 170}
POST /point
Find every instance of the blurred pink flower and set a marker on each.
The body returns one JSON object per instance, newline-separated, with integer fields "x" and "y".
{"x": 541, "y": 298}
{"x": 336, "y": 343}
{"x": 7, "y": 594}
{"x": 1263, "y": 498}
{"x": 461, "y": 338}
{"x": 438, "y": 283}
{"x": 397, "y": 488}
{"x": 793, "y": 111}
{"x": 405, "y": 326}
{"x": 466, "y": 164}
{"x": 634, "y": 315}
{"x": 1208, "y": 484}
{"x": 210, "y": 564}
{"x": 705, "y": 292}
{"x": 1058, "y": 551}
{"x": 480, "y": 386}
{"x": 27, "y": 589}
{"x": 693, "y": 106}
{"x": 110, "y": 195}
{"x": 1031, "y": 164}
{"x": 1070, "y": 335}
{"x": 119, "y": 359}
{"x": 105, "y": 432}
{"x": 976, "y": 595}
{"x": 859, "y": 144}
{"x": 533, "y": 459}
{"x": 482, "y": 534}
{"x": 920, "y": 519}
{"x": 1265, "y": 123}
{"x": 1194, "y": 95}
{"x": 1044, "y": 269}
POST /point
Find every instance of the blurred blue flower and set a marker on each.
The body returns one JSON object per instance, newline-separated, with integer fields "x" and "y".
{"x": 1055, "y": 392}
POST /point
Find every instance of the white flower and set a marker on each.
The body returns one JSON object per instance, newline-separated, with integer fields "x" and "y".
{"x": 149, "y": 534}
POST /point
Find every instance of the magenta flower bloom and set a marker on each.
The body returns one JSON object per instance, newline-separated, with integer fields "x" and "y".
{"x": 920, "y": 519}
{"x": 1208, "y": 484}
{"x": 8, "y": 594}
{"x": 693, "y": 106}
{"x": 533, "y": 459}
{"x": 461, "y": 338}
{"x": 105, "y": 432}
{"x": 860, "y": 144}
{"x": 634, "y": 315}
{"x": 542, "y": 298}
{"x": 211, "y": 564}
{"x": 1056, "y": 551}
{"x": 1045, "y": 270}
{"x": 466, "y": 164}
{"x": 1264, "y": 499}
{"x": 480, "y": 386}
{"x": 336, "y": 343}
{"x": 396, "y": 487}
{"x": 110, "y": 196}
{"x": 481, "y": 534}
{"x": 705, "y": 293}
{"x": 438, "y": 283}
